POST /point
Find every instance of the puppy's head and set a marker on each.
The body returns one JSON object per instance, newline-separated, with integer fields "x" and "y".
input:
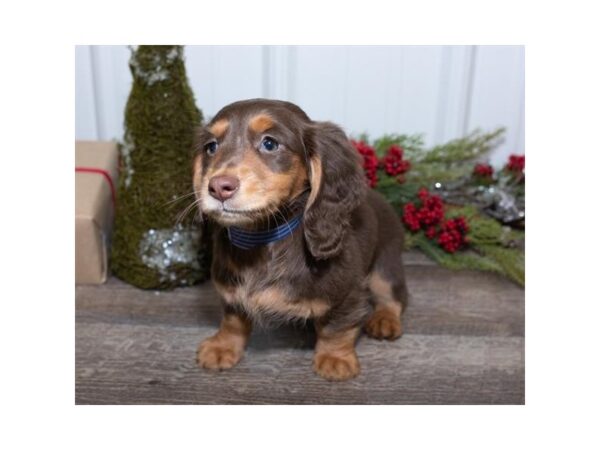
{"x": 258, "y": 157}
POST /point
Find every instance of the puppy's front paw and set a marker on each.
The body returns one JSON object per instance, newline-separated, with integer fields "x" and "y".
{"x": 384, "y": 324}
{"x": 214, "y": 353}
{"x": 336, "y": 367}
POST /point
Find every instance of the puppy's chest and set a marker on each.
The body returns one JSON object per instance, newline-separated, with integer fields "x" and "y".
{"x": 260, "y": 296}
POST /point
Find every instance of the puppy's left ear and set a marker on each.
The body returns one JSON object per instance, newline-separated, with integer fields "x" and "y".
{"x": 337, "y": 184}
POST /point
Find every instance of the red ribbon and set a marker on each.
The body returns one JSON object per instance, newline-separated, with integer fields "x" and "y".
{"x": 106, "y": 176}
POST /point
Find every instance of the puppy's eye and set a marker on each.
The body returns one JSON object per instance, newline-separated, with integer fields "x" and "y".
{"x": 211, "y": 147}
{"x": 269, "y": 144}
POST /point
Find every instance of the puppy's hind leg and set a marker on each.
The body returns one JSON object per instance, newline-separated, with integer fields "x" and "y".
{"x": 388, "y": 286}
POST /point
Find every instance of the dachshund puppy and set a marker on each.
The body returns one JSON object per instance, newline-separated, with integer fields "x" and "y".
{"x": 297, "y": 235}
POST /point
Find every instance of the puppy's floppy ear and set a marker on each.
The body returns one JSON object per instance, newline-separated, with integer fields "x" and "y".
{"x": 337, "y": 184}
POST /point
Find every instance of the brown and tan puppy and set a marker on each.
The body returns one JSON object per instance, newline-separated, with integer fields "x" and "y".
{"x": 333, "y": 253}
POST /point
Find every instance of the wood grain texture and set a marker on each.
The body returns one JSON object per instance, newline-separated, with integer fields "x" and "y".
{"x": 463, "y": 344}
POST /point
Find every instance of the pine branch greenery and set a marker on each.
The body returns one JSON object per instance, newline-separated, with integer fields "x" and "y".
{"x": 492, "y": 246}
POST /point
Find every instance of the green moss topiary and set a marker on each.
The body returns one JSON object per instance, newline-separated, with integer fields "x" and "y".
{"x": 151, "y": 249}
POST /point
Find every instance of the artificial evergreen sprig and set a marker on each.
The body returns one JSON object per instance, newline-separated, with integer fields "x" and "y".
{"x": 491, "y": 246}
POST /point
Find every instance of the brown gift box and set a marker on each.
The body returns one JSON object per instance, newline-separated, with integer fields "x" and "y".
{"x": 96, "y": 172}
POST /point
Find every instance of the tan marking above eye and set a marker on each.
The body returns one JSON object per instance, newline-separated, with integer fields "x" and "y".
{"x": 261, "y": 123}
{"x": 219, "y": 128}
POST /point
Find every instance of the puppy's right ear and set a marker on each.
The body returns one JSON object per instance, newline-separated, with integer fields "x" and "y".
{"x": 337, "y": 184}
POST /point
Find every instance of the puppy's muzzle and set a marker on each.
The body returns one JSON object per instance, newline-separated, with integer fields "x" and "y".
{"x": 223, "y": 187}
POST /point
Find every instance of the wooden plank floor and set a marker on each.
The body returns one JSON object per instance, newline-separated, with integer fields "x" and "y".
{"x": 463, "y": 344}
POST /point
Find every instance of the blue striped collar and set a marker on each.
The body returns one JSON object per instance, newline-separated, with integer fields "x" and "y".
{"x": 246, "y": 239}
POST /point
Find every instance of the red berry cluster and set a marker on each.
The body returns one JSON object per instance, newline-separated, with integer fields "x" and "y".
{"x": 393, "y": 163}
{"x": 516, "y": 163}
{"x": 449, "y": 234}
{"x": 370, "y": 162}
{"x": 453, "y": 234}
{"x": 430, "y": 213}
{"x": 411, "y": 217}
{"x": 483, "y": 170}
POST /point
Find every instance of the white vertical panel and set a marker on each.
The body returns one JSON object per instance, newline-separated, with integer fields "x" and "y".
{"x": 85, "y": 109}
{"x": 454, "y": 92}
{"x": 367, "y": 82}
{"x": 112, "y": 84}
{"x": 498, "y": 96}
{"x": 279, "y": 72}
{"x": 230, "y": 73}
{"x": 320, "y": 81}
{"x": 381, "y": 89}
{"x": 441, "y": 91}
{"x": 415, "y": 93}
{"x": 201, "y": 72}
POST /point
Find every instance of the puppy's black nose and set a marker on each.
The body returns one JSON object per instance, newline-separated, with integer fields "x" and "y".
{"x": 223, "y": 187}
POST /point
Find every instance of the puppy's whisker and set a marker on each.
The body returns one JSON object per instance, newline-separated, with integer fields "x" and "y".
{"x": 283, "y": 217}
{"x": 272, "y": 212}
{"x": 278, "y": 211}
{"x": 185, "y": 211}
{"x": 299, "y": 196}
{"x": 198, "y": 218}
{"x": 269, "y": 218}
{"x": 181, "y": 197}
{"x": 182, "y": 215}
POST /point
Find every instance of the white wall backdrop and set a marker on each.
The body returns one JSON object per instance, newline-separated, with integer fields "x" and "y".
{"x": 443, "y": 92}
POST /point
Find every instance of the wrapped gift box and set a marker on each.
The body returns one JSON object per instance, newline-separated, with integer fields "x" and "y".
{"x": 96, "y": 171}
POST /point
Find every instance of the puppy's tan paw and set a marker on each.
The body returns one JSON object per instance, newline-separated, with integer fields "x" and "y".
{"x": 384, "y": 324}
{"x": 336, "y": 367}
{"x": 216, "y": 354}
